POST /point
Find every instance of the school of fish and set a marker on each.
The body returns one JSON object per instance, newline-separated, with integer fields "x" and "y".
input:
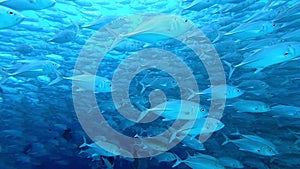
{"x": 258, "y": 43}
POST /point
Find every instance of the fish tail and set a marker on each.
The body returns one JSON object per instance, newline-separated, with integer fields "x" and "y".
{"x": 227, "y": 140}
{"x": 59, "y": 78}
{"x": 144, "y": 87}
{"x": 116, "y": 35}
{"x": 218, "y": 38}
{"x": 84, "y": 144}
{"x": 193, "y": 94}
{"x": 231, "y": 68}
{"x": 178, "y": 161}
{"x": 4, "y": 75}
{"x": 143, "y": 110}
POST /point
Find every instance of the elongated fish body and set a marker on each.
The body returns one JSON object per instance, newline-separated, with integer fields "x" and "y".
{"x": 230, "y": 162}
{"x": 230, "y": 92}
{"x": 200, "y": 161}
{"x": 251, "y": 106}
{"x": 28, "y": 4}
{"x": 199, "y": 5}
{"x": 205, "y": 126}
{"x": 33, "y": 68}
{"x": 272, "y": 55}
{"x": 9, "y": 17}
{"x": 156, "y": 28}
{"x": 252, "y": 30}
{"x": 63, "y": 36}
{"x": 171, "y": 109}
{"x": 91, "y": 83}
{"x": 254, "y": 144}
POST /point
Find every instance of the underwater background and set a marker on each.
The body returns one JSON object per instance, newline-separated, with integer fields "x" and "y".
{"x": 50, "y": 69}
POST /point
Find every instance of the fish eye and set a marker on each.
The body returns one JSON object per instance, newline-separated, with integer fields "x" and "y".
{"x": 286, "y": 53}
{"x": 238, "y": 90}
{"x": 11, "y": 13}
{"x": 185, "y": 20}
{"x": 202, "y": 110}
{"x": 274, "y": 24}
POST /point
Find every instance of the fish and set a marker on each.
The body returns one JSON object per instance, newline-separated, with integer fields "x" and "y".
{"x": 251, "y": 106}
{"x": 253, "y": 144}
{"x": 156, "y": 28}
{"x": 95, "y": 150}
{"x": 269, "y": 56}
{"x": 205, "y": 126}
{"x": 63, "y": 36}
{"x": 87, "y": 82}
{"x": 198, "y": 5}
{"x": 193, "y": 143}
{"x": 199, "y": 161}
{"x": 229, "y": 92}
{"x": 285, "y": 111}
{"x": 28, "y": 4}
{"x": 230, "y": 162}
{"x": 24, "y": 48}
{"x": 10, "y": 17}
{"x": 170, "y": 110}
{"x": 252, "y": 30}
{"x": 30, "y": 69}
{"x": 165, "y": 157}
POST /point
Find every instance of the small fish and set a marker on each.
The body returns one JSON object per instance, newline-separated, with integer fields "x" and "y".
{"x": 155, "y": 29}
{"x": 198, "y": 5}
{"x": 193, "y": 143}
{"x": 9, "y": 17}
{"x": 230, "y": 162}
{"x": 170, "y": 110}
{"x": 95, "y": 149}
{"x": 251, "y": 106}
{"x": 30, "y": 69}
{"x": 200, "y": 161}
{"x": 254, "y": 144}
{"x": 269, "y": 56}
{"x": 205, "y": 126}
{"x": 285, "y": 111}
{"x": 99, "y": 22}
{"x": 24, "y": 48}
{"x": 229, "y": 92}
{"x": 63, "y": 36}
{"x": 292, "y": 36}
{"x": 252, "y": 30}
{"x": 87, "y": 82}
{"x": 28, "y": 4}
{"x": 165, "y": 157}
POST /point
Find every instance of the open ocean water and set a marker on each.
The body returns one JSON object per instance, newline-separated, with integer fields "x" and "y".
{"x": 147, "y": 84}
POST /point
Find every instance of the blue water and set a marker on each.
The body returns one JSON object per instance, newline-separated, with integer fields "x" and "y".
{"x": 153, "y": 52}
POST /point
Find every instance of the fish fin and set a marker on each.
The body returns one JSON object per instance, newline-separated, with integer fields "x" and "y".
{"x": 193, "y": 94}
{"x": 231, "y": 68}
{"x": 227, "y": 140}
{"x": 258, "y": 70}
{"x": 178, "y": 161}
